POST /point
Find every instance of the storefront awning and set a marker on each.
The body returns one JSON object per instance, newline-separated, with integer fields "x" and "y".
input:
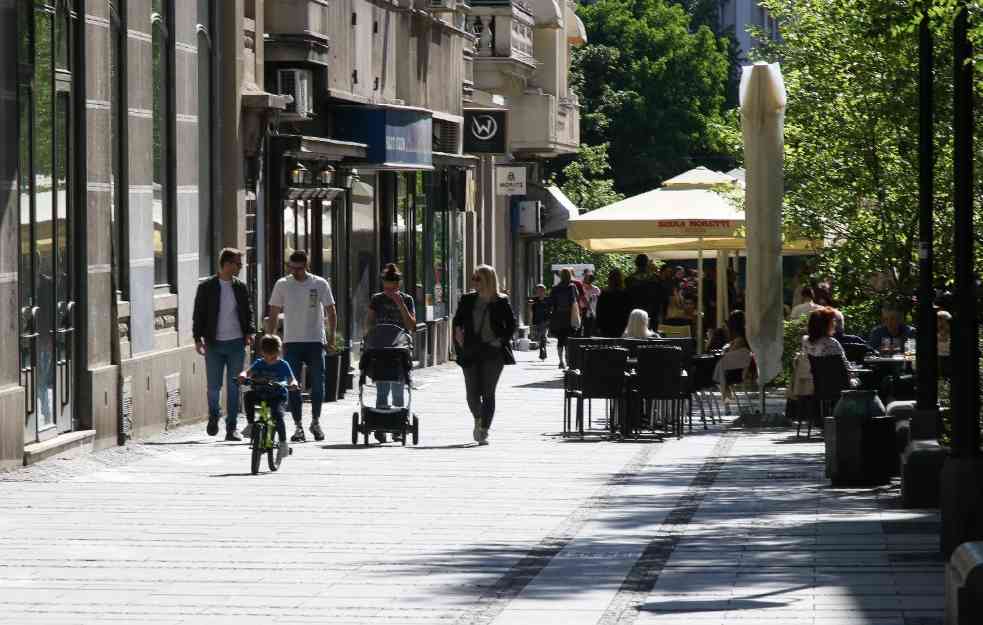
{"x": 558, "y": 210}
{"x": 455, "y": 160}
{"x": 319, "y": 148}
{"x": 398, "y": 137}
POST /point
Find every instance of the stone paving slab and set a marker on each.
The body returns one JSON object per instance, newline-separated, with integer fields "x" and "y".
{"x": 725, "y": 525}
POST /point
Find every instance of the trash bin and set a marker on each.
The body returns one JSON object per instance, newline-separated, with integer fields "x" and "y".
{"x": 854, "y": 441}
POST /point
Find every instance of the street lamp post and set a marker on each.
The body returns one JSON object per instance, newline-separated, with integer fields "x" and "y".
{"x": 927, "y": 340}
{"x": 961, "y": 497}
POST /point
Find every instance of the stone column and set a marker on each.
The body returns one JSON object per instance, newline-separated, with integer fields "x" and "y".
{"x": 232, "y": 198}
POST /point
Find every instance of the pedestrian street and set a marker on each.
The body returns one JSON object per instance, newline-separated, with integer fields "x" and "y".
{"x": 723, "y": 525}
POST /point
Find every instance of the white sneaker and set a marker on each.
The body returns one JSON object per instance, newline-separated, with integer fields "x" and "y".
{"x": 477, "y": 430}
{"x": 282, "y": 451}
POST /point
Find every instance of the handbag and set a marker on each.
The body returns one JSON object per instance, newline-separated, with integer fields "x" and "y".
{"x": 575, "y": 316}
{"x": 802, "y": 383}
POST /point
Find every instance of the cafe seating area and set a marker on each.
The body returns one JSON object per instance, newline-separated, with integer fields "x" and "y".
{"x": 643, "y": 387}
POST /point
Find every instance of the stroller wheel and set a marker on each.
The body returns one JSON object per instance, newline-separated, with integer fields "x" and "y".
{"x": 355, "y": 428}
{"x": 416, "y": 431}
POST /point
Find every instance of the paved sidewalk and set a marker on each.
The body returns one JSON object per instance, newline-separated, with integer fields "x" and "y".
{"x": 723, "y": 525}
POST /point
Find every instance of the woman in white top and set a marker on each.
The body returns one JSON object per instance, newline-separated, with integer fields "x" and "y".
{"x": 638, "y": 325}
{"x": 820, "y": 342}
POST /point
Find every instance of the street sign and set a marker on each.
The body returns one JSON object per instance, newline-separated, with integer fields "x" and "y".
{"x": 510, "y": 180}
{"x": 484, "y": 131}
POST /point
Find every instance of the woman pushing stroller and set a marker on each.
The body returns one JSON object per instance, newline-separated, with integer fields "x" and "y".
{"x": 391, "y": 306}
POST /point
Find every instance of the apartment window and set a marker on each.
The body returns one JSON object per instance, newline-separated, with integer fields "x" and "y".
{"x": 206, "y": 117}
{"x": 118, "y": 128}
{"x": 163, "y": 91}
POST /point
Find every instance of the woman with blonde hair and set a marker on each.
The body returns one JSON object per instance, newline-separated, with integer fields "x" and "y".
{"x": 483, "y": 327}
{"x": 638, "y": 325}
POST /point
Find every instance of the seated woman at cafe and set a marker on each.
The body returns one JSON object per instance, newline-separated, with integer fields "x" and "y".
{"x": 638, "y": 326}
{"x": 820, "y": 343}
{"x": 892, "y": 333}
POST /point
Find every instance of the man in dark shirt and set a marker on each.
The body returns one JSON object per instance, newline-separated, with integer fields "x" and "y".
{"x": 893, "y": 332}
{"x": 645, "y": 290}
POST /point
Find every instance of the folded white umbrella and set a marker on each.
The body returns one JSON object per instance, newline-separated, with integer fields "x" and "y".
{"x": 763, "y": 102}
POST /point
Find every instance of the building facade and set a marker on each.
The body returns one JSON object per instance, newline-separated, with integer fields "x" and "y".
{"x": 521, "y": 78}
{"x": 741, "y": 15}
{"x": 140, "y": 137}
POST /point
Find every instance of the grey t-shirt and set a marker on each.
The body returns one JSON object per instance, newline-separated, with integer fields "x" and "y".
{"x": 228, "y": 327}
{"x": 386, "y": 310}
{"x": 481, "y": 322}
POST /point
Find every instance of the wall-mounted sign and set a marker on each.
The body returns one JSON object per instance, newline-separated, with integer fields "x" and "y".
{"x": 395, "y": 136}
{"x": 510, "y": 180}
{"x": 484, "y": 131}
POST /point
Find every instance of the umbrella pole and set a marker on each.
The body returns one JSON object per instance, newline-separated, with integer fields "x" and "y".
{"x": 699, "y": 300}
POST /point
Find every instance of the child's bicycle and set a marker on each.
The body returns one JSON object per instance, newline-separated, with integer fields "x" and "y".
{"x": 264, "y": 438}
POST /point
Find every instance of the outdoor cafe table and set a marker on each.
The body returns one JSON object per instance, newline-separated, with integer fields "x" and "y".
{"x": 882, "y": 366}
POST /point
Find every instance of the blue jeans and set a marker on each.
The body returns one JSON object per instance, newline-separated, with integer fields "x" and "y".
{"x": 223, "y": 363}
{"x": 312, "y": 355}
{"x": 382, "y": 390}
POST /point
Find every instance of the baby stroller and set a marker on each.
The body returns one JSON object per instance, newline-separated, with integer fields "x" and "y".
{"x": 387, "y": 358}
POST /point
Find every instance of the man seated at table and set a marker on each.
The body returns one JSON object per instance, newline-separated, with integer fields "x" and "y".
{"x": 893, "y": 332}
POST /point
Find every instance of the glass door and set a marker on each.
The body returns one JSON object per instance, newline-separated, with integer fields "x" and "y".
{"x": 47, "y": 293}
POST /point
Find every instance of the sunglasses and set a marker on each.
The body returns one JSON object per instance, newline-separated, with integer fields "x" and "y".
{"x": 296, "y": 267}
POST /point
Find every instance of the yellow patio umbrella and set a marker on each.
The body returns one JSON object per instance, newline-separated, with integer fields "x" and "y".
{"x": 688, "y": 216}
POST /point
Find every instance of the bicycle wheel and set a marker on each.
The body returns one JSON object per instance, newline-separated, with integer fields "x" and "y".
{"x": 273, "y": 454}
{"x": 259, "y": 435}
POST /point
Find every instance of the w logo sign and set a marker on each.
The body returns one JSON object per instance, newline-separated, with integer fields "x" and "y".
{"x": 484, "y": 127}
{"x": 485, "y": 131}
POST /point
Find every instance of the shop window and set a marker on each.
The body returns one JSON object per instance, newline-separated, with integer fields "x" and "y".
{"x": 118, "y": 128}
{"x": 206, "y": 124}
{"x": 421, "y": 206}
{"x": 402, "y": 219}
{"x": 163, "y": 191}
{"x": 327, "y": 242}
{"x": 296, "y": 227}
{"x": 437, "y": 278}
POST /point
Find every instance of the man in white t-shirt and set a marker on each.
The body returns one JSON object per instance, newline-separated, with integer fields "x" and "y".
{"x": 306, "y": 303}
{"x": 807, "y": 305}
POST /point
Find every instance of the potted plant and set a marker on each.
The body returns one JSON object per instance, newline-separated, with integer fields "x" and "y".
{"x": 332, "y": 371}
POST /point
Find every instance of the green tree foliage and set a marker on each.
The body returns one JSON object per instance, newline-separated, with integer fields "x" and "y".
{"x": 587, "y": 183}
{"x": 650, "y": 85}
{"x": 851, "y": 168}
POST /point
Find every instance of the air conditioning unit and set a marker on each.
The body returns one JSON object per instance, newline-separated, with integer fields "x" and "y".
{"x": 299, "y": 84}
{"x": 443, "y": 5}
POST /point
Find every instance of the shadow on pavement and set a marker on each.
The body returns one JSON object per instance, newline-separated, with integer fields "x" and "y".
{"x": 164, "y": 443}
{"x": 765, "y": 530}
{"x": 455, "y": 446}
{"x": 237, "y": 474}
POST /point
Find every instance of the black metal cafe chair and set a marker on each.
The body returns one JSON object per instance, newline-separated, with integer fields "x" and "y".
{"x": 602, "y": 376}
{"x": 661, "y": 383}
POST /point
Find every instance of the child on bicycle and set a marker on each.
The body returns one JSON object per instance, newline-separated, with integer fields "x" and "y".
{"x": 274, "y": 369}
